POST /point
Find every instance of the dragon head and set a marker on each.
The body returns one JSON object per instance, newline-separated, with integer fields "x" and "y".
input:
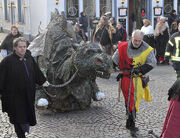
{"x": 90, "y": 60}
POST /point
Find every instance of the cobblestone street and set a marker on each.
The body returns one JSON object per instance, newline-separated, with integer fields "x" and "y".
{"x": 105, "y": 119}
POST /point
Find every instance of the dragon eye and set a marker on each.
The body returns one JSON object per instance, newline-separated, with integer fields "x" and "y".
{"x": 89, "y": 52}
{"x": 98, "y": 60}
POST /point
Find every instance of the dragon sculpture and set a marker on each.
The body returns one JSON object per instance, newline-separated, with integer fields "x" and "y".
{"x": 70, "y": 69}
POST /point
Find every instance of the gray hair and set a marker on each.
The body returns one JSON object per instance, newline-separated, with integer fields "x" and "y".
{"x": 137, "y": 33}
{"x": 17, "y": 40}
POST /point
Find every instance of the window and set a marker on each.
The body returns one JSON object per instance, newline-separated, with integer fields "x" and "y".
{"x": 168, "y": 7}
{"x": 105, "y": 6}
{"x": 89, "y": 7}
{"x": 72, "y": 8}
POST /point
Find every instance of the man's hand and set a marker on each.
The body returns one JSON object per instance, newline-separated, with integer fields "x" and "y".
{"x": 46, "y": 84}
{"x": 142, "y": 69}
{"x": 136, "y": 70}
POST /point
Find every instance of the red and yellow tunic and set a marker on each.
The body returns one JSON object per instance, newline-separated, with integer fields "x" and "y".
{"x": 126, "y": 63}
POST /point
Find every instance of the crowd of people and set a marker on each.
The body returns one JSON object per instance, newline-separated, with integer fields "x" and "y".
{"x": 109, "y": 33}
{"x": 134, "y": 58}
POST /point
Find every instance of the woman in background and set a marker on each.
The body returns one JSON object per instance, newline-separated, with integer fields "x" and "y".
{"x": 148, "y": 31}
{"x": 161, "y": 38}
{"x": 7, "y": 44}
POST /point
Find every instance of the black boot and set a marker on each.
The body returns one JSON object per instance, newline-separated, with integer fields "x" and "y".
{"x": 133, "y": 126}
{"x": 128, "y": 124}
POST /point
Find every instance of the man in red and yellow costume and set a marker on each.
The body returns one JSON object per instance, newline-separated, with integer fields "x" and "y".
{"x": 134, "y": 58}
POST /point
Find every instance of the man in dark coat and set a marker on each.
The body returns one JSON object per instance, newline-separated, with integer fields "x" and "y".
{"x": 83, "y": 22}
{"x": 172, "y": 17}
{"x": 18, "y": 79}
{"x": 120, "y": 34}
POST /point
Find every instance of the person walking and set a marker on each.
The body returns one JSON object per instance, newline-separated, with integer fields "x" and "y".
{"x": 83, "y": 22}
{"x": 19, "y": 76}
{"x": 161, "y": 34}
{"x": 103, "y": 34}
{"x": 173, "y": 51}
{"x": 134, "y": 58}
{"x": 7, "y": 43}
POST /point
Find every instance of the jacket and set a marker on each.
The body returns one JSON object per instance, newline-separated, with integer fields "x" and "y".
{"x": 18, "y": 81}
{"x": 173, "y": 48}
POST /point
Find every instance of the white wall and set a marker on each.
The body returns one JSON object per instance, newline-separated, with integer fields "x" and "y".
{"x": 51, "y": 8}
{"x": 37, "y": 13}
{"x": 40, "y": 11}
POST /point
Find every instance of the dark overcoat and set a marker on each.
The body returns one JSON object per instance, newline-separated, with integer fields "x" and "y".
{"x": 18, "y": 81}
{"x": 160, "y": 43}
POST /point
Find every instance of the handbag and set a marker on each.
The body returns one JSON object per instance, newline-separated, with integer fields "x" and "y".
{"x": 145, "y": 80}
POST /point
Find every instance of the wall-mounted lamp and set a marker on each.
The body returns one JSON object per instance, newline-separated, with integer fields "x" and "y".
{"x": 12, "y": 4}
{"x": 157, "y": 1}
{"x": 57, "y": 2}
{"x": 24, "y": 6}
{"x": 122, "y": 1}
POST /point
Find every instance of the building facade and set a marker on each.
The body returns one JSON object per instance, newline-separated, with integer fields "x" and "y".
{"x": 29, "y": 14}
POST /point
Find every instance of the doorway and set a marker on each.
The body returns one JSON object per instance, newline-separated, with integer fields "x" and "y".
{"x": 146, "y": 5}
